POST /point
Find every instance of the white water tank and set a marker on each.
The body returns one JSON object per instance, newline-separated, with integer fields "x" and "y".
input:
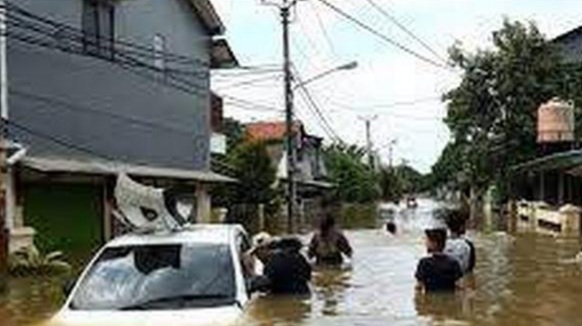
{"x": 556, "y": 121}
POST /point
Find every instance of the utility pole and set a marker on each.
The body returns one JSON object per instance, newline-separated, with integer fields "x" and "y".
{"x": 368, "y": 122}
{"x": 287, "y": 4}
{"x": 391, "y": 153}
{"x": 3, "y": 146}
{"x": 285, "y": 7}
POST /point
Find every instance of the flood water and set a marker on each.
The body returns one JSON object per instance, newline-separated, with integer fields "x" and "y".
{"x": 520, "y": 279}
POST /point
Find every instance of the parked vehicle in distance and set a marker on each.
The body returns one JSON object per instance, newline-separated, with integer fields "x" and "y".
{"x": 189, "y": 277}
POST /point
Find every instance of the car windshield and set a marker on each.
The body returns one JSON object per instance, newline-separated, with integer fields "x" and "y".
{"x": 169, "y": 276}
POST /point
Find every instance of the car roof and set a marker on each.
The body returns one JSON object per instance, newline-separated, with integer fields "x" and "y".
{"x": 198, "y": 233}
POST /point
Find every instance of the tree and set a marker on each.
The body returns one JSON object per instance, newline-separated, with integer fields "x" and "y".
{"x": 255, "y": 173}
{"x": 492, "y": 112}
{"x": 234, "y": 132}
{"x": 355, "y": 181}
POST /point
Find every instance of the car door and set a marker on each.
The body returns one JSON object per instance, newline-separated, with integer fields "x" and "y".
{"x": 243, "y": 246}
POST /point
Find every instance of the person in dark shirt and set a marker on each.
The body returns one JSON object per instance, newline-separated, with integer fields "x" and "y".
{"x": 437, "y": 272}
{"x": 328, "y": 244}
{"x": 287, "y": 270}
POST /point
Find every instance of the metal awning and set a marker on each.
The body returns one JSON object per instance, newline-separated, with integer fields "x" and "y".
{"x": 564, "y": 161}
{"x": 103, "y": 167}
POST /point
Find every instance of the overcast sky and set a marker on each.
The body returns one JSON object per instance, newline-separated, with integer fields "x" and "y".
{"x": 401, "y": 90}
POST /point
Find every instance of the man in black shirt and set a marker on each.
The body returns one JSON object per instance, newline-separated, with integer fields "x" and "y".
{"x": 437, "y": 272}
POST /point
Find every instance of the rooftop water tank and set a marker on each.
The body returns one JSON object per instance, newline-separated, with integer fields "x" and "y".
{"x": 556, "y": 121}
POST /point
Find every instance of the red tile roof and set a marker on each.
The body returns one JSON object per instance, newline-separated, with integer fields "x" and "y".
{"x": 261, "y": 131}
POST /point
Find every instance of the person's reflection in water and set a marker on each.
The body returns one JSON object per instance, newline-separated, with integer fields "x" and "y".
{"x": 330, "y": 286}
{"x": 443, "y": 306}
{"x": 278, "y": 310}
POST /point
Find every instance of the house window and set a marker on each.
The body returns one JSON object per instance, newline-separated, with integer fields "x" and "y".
{"x": 98, "y": 28}
{"x": 159, "y": 47}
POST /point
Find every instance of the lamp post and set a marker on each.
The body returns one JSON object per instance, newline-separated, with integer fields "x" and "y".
{"x": 348, "y": 66}
{"x": 291, "y": 162}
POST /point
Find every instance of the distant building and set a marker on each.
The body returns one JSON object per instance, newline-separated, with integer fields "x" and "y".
{"x": 311, "y": 175}
{"x": 570, "y": 45}
{"x": 97, "y": 87}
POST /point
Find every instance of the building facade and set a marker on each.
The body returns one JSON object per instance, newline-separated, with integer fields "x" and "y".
{"x": 97, "y": 87}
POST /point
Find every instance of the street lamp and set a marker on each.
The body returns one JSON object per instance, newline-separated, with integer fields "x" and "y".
{"x": 348, "y": 66}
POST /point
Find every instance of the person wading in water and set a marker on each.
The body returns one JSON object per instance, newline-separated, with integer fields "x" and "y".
{"x": 438, "y": 271}
{"x": 329, "y": 244}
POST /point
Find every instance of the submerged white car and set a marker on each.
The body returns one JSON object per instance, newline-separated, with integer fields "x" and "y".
{"x": 190, "y": 277}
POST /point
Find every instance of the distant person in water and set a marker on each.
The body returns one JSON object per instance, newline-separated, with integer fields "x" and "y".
{"x": 328, "y": 245}
{"x": 391, "y": 227}
{"x": 458, "y": 246}
{"x": 438, "y": 271}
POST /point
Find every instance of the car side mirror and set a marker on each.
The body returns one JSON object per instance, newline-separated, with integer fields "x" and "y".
{"x": 68, "y": 286}
{"x": 258, "y": 284}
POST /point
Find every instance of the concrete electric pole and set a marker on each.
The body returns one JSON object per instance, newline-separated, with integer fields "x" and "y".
{"x": 285, "y": 7}
{"x": 369, "y": 145}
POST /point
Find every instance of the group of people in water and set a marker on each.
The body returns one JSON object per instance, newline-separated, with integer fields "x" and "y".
{"x": 279, "y": 266}
{"x": 451, "y": 255}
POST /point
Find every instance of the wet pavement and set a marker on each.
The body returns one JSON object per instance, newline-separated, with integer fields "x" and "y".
{"x": 520, "y": 279}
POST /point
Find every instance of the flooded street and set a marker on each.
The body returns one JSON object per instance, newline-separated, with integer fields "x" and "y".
{"x": 521, "y": 279}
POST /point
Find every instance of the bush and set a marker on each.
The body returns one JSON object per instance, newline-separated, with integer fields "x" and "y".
{"x": 30, "y": 261}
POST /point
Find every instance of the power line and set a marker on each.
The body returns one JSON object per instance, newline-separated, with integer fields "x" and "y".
{"x": 388, "y": 105}
{"x": 410, "y": 33}
{"x": 251, "y": 82}
{"x": 56, "y": 140}
{"x": 322, "y": 27}
{"x": 383, "y": 37}
{"x": 54, "y": 103}
{"x": 248, "y": 104}
{"x": 62, "y": 27}
{"x": 318, "y": 112}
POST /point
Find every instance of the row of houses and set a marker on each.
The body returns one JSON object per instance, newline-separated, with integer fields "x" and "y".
{"x": 98, "y": 87}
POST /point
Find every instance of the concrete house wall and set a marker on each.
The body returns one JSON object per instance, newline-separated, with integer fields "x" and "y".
{"x": 79, "y": 99}
{"x": 76, "y": 105}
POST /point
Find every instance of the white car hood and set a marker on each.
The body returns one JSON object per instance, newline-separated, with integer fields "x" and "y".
{"x": 193, "y": 317}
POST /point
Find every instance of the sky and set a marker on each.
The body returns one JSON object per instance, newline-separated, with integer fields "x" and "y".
{"x": 399, "y": 91}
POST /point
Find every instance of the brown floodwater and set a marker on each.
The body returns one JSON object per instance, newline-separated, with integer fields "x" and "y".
{"x": 520, "y": 279}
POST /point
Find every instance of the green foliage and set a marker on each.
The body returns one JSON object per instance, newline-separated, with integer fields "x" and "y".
{"x": 234, "y": 132}
{"x": 255, "y": 172}
{"x": 29, "y": 261}
{"x": 355, "y": 181}
{"x": 492, "y": 112}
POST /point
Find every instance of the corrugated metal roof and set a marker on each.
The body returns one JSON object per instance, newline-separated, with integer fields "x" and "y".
{"x": 561, "y": 161}
{"x": 102, "y": 167}
{"x": 269, "y": 130}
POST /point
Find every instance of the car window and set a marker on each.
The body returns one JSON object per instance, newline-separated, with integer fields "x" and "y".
{"x": 158, "y": 277}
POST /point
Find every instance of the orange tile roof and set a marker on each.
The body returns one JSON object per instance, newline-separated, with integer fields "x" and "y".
{"x": 260, "y": 131}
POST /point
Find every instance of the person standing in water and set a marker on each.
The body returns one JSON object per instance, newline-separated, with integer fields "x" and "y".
{"x": 437, "y": 272}
{"x": 287, "y": 269}
{"x": 458, "y": 246}
{"x": 328, "y": 245}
